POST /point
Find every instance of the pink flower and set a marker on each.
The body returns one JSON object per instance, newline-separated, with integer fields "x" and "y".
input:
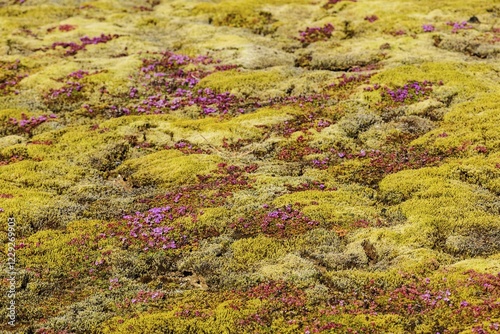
{"x": 428, "y": 28}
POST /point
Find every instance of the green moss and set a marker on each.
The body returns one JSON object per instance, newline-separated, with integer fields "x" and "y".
{"x": 206, "y": 132}
{"x": 49, "y": 250}
{"x": 167, "y": 168}
{"x": 214, "y": 218}
{"x": 164, "y": 322}
{"x": 11, "y": 141}
{"x": 435, "y": 222}
{"x": 46, "y": 175}
{"x": 317, "y": 242}
{"x": 334, "y": 136}
{"x": 247, "y": 252}
{"x": 440, "y": 207}
{"x": 241, "y": 7}
{"x": 463, "y": 79}
{"x": 291, "y": 268}
{"x": 341, "y": 207}
{"x": 473, "y": 122}
{"x": 242, "y": 83}
{"x": 482, "y": 265}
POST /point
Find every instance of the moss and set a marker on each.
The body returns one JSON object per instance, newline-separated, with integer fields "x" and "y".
{"x": 214, "y": 218}
{"x": 472, "y": 122}
{"x": 317, "y": 242}
{"x": 482, "y": 265}
{"x": 166, "y": 168}
{"x": 243, "y": 7}
{"x": 431, "y": 222}
{"x": 462, "y": 78}
{"x": 28, "y": 213}
{"x": 110, "y": 156}
{"x": 340, "y": 208}
{"x": 247, "y": 252}
{"x": 354, "y": 124}
{"x": 442, "y": 206}
{"x": 48, "y": 251}
{"x": 242, "y": 83}
{"x": 334, "y": 136}
{"x": 156, "y": 323}
{"x": 290, "y": 268}
{"x": 161, "y": 130}
{"x": 11, "y": 140}
{"x": 343, "y": 60}
{"x": 45, "y": 175}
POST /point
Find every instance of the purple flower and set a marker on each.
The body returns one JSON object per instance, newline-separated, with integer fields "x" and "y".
{"x": 208, "y": 110}
{"x": 158, "y": 230}
{"x": 171, "y": 244}
{"x": 428, "y": 28}
{"x": 458, "y": 26}
{"x": 371, "y": 18}
{"x": 273, "y": 214}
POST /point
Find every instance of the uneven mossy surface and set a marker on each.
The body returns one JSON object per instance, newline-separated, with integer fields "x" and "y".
{"x": 251, "y": 166}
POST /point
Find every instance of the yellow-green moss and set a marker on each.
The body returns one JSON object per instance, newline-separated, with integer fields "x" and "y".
{"x": 474, "y": 122}
{"x": 49, "y": 250}
{"x": 290, "y": 268}
{"x": 167, "y": 168}
{"x": 245, "y": 83}
{"x": 247, "y": 252}
{"x": 216, "y": 218}
{"x": 464, "y": 79}
{"x": 341, "y": 207}
{"x": 45, "y": 175}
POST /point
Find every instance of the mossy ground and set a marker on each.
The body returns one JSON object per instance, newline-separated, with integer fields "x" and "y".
{"x": 240, "y": 167}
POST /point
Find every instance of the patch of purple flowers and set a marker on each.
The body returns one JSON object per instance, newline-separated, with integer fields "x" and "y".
{"x": 280, "y": 222}
{"x": 311, "y": 35}
{"x": 27, "y": 124}
{"x": 428, "y": 28}
{"x": 410, "y": 92}
{"x": 11, "y": 76}
{"x": 73, "y": 48}
{"x": 169, "y": 83}
{"x": 331, "y": 3}
{"x": 371, "y": 18}
{"x": 458, "y": 26}
{"x": 149, "y": 228}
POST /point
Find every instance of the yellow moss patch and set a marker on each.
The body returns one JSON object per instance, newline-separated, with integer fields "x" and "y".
{"x": 464, "y": 79}
{"x": 489, "y": 265}
{"x": 49, "y": 250}
{"x": 46, "y": 175}
{"x": 245, "y": 83}
{"x": 207, "y": 131}
{"x": 247, "y": 252}
{"x": 341, "y": 207}
{"x": 474, "y": 122}
{"x": 290, "y": 268}
{"x": 167, "y": 168}
{"x": 216, "y": 218}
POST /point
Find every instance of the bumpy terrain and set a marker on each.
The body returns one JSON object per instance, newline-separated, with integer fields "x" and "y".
{"x": 251, "y": 166}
